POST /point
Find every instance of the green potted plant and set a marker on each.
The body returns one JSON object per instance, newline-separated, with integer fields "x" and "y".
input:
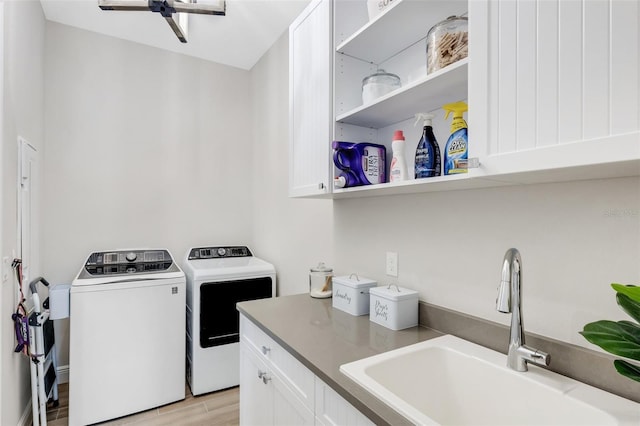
{"x": 620, "y": 338}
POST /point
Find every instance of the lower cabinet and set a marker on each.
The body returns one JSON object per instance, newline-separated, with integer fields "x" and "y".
{"x": 287, "y": 408}
{"x": 279, "y": 390}
{"x": 264, "y": 398}
{"x": 332, "y": 409}
{"x": 256, "y": 393}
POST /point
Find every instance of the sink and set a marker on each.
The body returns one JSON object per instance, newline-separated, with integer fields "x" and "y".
{"x": 451, "y": 381}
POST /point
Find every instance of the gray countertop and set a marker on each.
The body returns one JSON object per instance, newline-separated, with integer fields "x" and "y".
{"x": 323, "y": 338}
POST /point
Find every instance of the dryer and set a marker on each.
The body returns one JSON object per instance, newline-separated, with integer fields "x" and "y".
{"x": 127, "y": 342}
{"x": 217, "y": 279}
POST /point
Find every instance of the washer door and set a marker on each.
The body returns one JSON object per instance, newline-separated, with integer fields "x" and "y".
{"x": 219, "y": 318}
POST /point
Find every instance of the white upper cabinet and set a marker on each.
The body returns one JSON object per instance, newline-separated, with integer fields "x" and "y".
{"x": 554, "y": 89}
{"x": 310, "y": 100}
{"x": 326, "y": 90}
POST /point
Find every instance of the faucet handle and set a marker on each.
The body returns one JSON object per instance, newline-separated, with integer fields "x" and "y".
{"x": 541, "y": 358}
{"x": 533, "y": 355}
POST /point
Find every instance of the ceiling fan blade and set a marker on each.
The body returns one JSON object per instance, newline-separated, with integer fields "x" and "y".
{"x": 217, "y": 7}
{"x": 173, "y": 11}
{"x": 178, "y": 27}
{"x": 123, "y": 4}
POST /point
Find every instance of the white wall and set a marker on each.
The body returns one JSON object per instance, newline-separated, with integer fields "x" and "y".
{"x": 144, "y": 148}
{"x": 294, "y": 234}
{"x": 22, "y": 115}
{"x": 575, "y": 239}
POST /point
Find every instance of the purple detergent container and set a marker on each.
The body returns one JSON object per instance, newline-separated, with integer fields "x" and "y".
{"x": 359, "y": 163}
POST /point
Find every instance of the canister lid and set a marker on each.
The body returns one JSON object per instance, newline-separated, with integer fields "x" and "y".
{"x": 393, "y": 292}
{"x": 354, "y": 281}
{"x": 381, "y": 76}
{"x": 321, "y": 268}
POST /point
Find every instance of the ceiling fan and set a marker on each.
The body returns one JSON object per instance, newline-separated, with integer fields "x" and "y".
{"x": 169, "y": 8}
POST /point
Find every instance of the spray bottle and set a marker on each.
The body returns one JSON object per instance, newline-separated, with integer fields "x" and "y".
{"x": 427, "y": 162}
{"x": 456, "y": 149}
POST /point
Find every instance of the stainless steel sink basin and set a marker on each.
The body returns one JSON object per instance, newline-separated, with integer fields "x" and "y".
{"x": 451, "y": 381}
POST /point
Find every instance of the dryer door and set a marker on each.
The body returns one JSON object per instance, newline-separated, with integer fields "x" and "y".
{"x": 219, "y": 319}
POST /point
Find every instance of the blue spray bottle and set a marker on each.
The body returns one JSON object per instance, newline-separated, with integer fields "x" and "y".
{"x": 456, "y": 149}
{"x": 427, "y": 162}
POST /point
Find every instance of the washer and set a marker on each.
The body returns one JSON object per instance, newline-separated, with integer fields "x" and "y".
{"x": 127, "y": 342}
{"x": 217, "y": 279}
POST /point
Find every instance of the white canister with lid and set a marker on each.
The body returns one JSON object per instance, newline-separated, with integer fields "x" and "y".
{"x": 447, "y": 42}
{"x": 351, "y": 294}
{"x": 394, "y": 307}
{"x": 379, "y": 84}
{"x": 320, "y": 281}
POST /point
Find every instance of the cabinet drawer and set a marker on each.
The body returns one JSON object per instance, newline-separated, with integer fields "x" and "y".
{"x": 256, "y": 338}
{"x": 290, "y": 371}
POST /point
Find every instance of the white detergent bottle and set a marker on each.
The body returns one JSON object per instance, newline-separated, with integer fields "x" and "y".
{"x": 398, "y": 169}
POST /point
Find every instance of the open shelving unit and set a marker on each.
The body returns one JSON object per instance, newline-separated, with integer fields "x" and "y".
{"x": 382, "y": 41}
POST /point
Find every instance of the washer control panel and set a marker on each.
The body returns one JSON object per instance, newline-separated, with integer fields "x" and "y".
{"x": 128, "y": 262}
{"x": 219, "y": 252}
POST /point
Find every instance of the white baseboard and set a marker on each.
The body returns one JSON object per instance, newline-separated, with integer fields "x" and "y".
{"x": 62, "y": 373}
{"x": 25, "y": 419}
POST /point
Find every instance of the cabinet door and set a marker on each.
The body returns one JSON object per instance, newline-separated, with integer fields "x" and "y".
{"x": 310, "y": 100}
{"x": 332, "y": 409}
{"x": 291, "y": 372}
{"x": 553, "y": 85}
{"x": 287, "y": 408}
{"x": 256, "y": 394}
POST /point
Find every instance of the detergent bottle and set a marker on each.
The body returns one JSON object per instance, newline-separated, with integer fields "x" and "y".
{"x": 427, "y": 162}
{"x": 456, "y": 149}
{"x": 361, "y": 163}
{"x": 398, "y": 168}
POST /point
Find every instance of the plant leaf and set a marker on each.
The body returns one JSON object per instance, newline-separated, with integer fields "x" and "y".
{"x": 619, "y": 338}
{"x": 629, "y": 305}
{"x": 627, "y": 369}
{"x": 630, "y": 290}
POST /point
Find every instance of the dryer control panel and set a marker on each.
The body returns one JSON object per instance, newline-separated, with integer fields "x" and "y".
{"x": 219, "y": 252}
{"x": 128, "y": 262}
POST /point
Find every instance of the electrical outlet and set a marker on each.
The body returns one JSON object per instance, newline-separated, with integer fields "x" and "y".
{"x": 392, "y": 263}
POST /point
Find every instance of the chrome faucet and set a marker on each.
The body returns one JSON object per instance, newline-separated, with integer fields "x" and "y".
{"x": 509, "y": 301}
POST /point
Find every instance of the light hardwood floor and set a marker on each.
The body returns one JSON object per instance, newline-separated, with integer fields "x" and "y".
{"x": 216, "y": 408}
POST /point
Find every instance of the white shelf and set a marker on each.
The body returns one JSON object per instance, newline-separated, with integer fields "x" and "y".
{"x": 380, "y": 39}
{"x": 426, "y": 94}
{"x": 434, "y": 184}
{"x": 630, "y": 168}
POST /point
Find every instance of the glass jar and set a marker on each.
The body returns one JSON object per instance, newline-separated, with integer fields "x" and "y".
{"x": 378, "y": 84}
{"x": 320, "y": 281}
{"x": 447, "y": 42}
